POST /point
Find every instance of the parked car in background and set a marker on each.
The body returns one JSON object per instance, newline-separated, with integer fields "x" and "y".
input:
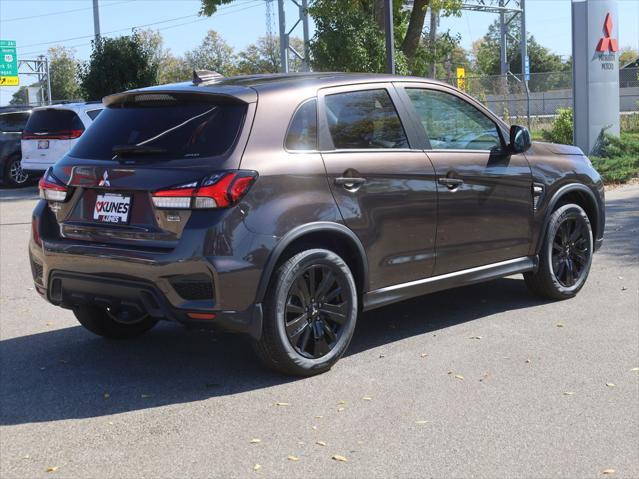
{"x": 12, "y": 122}
{"x": 52, "y": 131}
{"x": 281, "y": 206}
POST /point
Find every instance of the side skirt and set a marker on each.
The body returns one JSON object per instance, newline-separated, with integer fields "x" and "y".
{"x": 399, "y": 292}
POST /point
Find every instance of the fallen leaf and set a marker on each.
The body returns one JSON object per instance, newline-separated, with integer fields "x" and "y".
{"x": 459, "y": 376}
{"x": 341, "y": 402}
{"x": 367, "y": 398}
{"x": 608, "y": 471}
{"x": 282, "y": 404}
{"x": 527, "y": 361}
{"x": 293, "y": 458}
{"x": 110, "y": 423}
{"x": 340, "y": 409}
{"x": 560, "y": 325}
{"x": 26, "y": 456}
{"x": 475, "y": 337}
{"x": 52, "y": 468}
{"x": 144, "y": 396}
{"x": 320, "y": 443}
{"x": 319, "y": 417}
{"x": 569, "y": 393}
{"x": 423, "y": 355}
{"x": 339, "y": 458}
{"x": 421, "y": 421}
{"x": 314, "y": 428}
{"x": 257, "y": 467}
{"x": 382, "y": 356}
{"x": 611, "y": 385}
{"x": 635, "y": 369}
{"x": 49, "y": 323}
{"x": 255, "y": 441}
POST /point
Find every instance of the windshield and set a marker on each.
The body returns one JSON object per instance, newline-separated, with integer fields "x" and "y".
{"x": 171, "y": 130}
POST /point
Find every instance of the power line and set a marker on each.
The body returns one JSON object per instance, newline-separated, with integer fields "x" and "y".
{"x": 6, "y": 20}
{"x": 226, "y": 12}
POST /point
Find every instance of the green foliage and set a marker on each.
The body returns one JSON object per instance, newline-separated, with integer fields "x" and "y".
{"x": 264, "y": 56}
{"x": 209, "y": 7}
{"x": 561, "y": 128}
{"x": 487, "y": 53}
{"x": 618, "y": 159}
{"x": 347, "y": 37}
{"x": 21, "y": 96}
{"x": 212, "y": 54}
{"x": 63, "y": 68}
{"x": 117, "y": 64}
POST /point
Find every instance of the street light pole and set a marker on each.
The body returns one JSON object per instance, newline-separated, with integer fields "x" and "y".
{"x": 390, "y": 43}
{"x": 96, "y": 20}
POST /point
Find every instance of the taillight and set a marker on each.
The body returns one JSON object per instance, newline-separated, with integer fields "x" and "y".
{"x": 54, "y": 135}
{"x": 221, "y": 190}
{"x": 51, "y": 188}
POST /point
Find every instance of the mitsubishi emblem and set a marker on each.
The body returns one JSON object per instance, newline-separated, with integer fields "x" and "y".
{"x": 105, "y": 180}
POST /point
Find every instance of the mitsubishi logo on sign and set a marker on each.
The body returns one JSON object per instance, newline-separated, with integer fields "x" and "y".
{"x": 607, "y": 43}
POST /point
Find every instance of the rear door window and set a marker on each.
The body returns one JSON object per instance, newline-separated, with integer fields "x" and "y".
{"x": 166, "y": 128}
{"x": 13, "y": 122}
{"x": 302, "y": 133}
{"x": 365, "y": 119}
{"x": 93, "y": 114}
{"x": 52, "y": 121}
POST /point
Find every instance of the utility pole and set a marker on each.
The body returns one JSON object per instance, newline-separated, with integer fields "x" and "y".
{"x": 283, "y": 37}
{"x": 503, "y": 42}
{"x": 390, "y": 43}
{"x": 432, "y": 36}
{"x": 96, "y": 20}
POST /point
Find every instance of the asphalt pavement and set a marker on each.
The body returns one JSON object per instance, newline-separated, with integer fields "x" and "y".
{"x": 485, "y": 381}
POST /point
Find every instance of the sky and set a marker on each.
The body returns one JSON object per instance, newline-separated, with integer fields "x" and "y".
{"x": 39, "y": 24}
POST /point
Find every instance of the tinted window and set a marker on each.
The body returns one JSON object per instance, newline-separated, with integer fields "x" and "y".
{"x": 364, "y": 119}
{"x": 452, "y": 123}
{"x": 53, "y": 120}
{"x": 173, "y": 129}
{"x": 93, "y": 114}
{"x": 302, "y": 134}
{"x": 13, "y": 122}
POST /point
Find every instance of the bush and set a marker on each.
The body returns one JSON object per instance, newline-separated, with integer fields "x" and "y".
{"x": 561, "y": 128}
{"x": 618, "y": 158}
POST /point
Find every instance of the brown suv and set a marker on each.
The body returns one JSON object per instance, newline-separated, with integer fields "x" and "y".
{"x": 281, "y": 206}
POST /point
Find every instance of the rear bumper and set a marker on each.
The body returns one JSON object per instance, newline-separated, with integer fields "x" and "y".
{"x": 70, "y": 273}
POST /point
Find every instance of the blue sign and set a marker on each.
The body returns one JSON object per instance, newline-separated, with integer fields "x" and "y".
{"x": 527, "y": 68}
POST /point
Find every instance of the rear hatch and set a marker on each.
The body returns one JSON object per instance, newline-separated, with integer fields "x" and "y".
{"x": 138, "y": 146}
{"x": 49, "y": 135}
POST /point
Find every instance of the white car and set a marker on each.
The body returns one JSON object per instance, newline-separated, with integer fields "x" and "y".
{"x": 52, "y": 131}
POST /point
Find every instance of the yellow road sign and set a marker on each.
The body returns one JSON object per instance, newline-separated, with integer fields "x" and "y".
{"x": 461, "y": 78}
{"x": 9, "y": 81}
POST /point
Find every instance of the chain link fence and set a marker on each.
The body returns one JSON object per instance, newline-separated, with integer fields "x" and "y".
{"x": 508, "y": 97}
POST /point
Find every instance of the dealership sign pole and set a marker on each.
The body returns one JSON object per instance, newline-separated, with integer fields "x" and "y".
{"x": 595, "y": 46}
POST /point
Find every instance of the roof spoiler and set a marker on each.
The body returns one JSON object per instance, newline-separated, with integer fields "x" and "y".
{"x": 201, "y": 76}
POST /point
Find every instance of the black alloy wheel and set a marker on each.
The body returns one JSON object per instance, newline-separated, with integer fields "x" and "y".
{"x": 315, "y": 311}
{"x": 571, "y": 251}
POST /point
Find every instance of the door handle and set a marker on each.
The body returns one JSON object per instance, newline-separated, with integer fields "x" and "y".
{"x": 349, "y": 182}
{"x": 451, "y": 182}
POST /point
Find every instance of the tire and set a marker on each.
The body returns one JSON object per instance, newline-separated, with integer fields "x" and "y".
{"x": 13, "y": 175}
{"x": 566, "y": 255}
{"x": 109, "y": 325}
{"x": 304, "y": 335}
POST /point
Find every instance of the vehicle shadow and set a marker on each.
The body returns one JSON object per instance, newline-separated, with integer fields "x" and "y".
{"x": 621, "y": 241}
{"x": 18, "y": 194}
{"x": 71, "y": 374}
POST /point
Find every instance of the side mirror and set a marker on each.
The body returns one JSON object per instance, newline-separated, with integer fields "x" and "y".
{"x": 519, "y": 139}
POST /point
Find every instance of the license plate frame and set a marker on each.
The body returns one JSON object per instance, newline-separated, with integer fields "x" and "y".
{"x": 112, "y": 208}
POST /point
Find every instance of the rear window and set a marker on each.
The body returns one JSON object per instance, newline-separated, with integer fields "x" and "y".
{"x": 166, "y": 129}
{"x": 13, "y": 122}
{"x": 53, "y": 120}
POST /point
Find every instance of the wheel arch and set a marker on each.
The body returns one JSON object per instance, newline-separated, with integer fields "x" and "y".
{"x": 578, "y": 194}
{"x": 333, "y": 236}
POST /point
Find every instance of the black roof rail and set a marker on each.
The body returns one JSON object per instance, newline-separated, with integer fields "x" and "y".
{"x": 92, "y": 102}
{"x": 201, "y": 76}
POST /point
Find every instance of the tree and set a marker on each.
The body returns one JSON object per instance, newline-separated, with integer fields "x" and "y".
{"x": 63, "y": 68}
{"x": 173, "y": 69}
{"x": 212, "y": 54}
{"x": 487, "y": 53}
{"x": 264, "y": 56}
{"x": 627, "y": 54}
{"x": 360, "y": 23}
{"x": 117, "y": 64}
{"x": 21, "y": 96}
